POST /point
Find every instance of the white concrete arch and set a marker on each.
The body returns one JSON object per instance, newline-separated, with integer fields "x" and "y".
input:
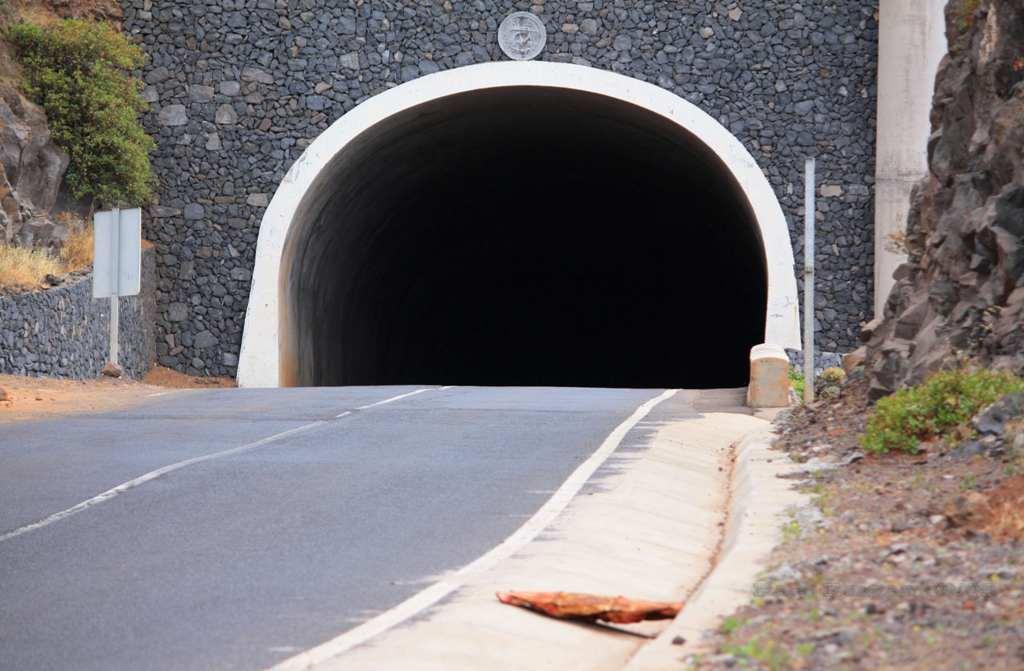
{"x": 261, "y": 362}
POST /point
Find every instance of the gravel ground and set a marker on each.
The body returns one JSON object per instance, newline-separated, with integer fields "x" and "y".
{"x": 30, "y": 398}
{"x": 904, "y": 562}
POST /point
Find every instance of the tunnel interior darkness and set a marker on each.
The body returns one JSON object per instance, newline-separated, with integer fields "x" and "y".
{"x": 523, "y": 236}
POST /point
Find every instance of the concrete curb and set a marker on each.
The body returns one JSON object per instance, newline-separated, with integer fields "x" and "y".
{"x": 759, "y": 502}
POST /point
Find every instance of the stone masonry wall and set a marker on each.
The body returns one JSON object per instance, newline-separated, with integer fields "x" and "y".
{"x": 240, "y": 87}
{"x": 64, "y": 332}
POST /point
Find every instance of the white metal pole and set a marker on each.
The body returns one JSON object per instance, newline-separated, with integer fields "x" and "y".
{"x": 809, "y": 213}
{"x": 115, "y": 305}
{"x": 115, "y": 325}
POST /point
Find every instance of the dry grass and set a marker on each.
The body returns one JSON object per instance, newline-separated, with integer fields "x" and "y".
{"x": 77, "y": 252}
{"x": 1003, "y": 511}
{"x": 26, "y": 268}
{"x": 1007, "y": 521}
{"x": 55, "y": 9}
{"x": 31, "y": 10}
{"x": 896, "y": 242}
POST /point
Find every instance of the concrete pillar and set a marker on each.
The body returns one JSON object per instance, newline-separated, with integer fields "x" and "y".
{"x": 911, "y": 43}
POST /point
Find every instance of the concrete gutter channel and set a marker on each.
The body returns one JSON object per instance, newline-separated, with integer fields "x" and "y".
{"x": 759, "y": 502}
{"x": 687, "y": 508}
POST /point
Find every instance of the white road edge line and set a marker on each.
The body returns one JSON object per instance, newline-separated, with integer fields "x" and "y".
{"x": 523, "y": 535}
{"x": 170, "y": 468}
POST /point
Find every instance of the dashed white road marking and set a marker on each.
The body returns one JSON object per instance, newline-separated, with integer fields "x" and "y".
{"x": 439, "y": 590}
{"x": 177, "y": 466}
{"x": 400, "y": 397}
{"x": 152, "y": 475}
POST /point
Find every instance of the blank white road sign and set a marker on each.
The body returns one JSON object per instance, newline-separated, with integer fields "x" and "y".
{"x": 117, "y": 267}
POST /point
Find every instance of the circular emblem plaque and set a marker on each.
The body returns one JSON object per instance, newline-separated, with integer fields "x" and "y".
{"x": 522, "y": 36}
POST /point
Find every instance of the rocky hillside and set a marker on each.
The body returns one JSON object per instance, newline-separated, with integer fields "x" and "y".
{"x": 32, "y": 166}
{"x": 31, "y": 170}
{"x": 960, "y": 296}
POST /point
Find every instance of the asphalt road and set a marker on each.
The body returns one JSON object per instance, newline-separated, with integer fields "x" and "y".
{"x": 258, "y": 549}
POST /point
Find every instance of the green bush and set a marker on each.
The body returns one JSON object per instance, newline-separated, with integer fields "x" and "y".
{"x": 78, "y": 72}
{"x": 832, "y": 375}
{"x": 796, "y": 382}
{"x": 965, "y": 13}
{"x": 934, "y": 409}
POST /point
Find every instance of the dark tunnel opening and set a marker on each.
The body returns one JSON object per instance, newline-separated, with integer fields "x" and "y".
{"x": 524, "y": 236}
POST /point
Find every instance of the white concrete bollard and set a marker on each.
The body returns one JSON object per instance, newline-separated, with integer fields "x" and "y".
{"x": 769, "y": 377}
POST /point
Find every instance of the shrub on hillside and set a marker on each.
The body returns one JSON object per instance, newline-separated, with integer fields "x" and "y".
{"x": 796, "y": 382}
{"x": 945, "y": 401}
{"x": 832, "y": 376}
{"x": 78, "y": 72}
{"x": 965, "y": 11}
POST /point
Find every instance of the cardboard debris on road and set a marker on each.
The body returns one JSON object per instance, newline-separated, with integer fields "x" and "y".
{"x": 591, "y": 607}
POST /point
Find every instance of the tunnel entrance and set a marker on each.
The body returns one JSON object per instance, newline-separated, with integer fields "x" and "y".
{"x": 528, "y": 236}
{"x": 520, "y": 235}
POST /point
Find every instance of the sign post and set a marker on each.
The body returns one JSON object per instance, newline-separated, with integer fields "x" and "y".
{"x": 117, "y": 264}
{"x": 809, "y": 212}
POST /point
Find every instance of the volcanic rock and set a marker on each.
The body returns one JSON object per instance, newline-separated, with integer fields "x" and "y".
{"x": 960, "y": 293}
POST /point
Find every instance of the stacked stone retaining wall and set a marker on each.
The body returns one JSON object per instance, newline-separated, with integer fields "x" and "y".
{"x": 64, "y": 332}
